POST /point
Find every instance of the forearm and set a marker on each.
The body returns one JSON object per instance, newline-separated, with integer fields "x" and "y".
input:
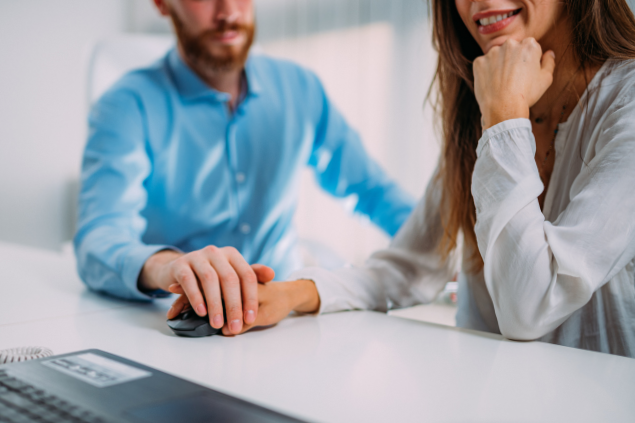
{"x": 303, "y": 295}
{"x": 111, "y": 262}
{"x": 505, "y": 186}
{"x": 350, "y": 172}
{"x": 536, "y": 271}
{"x": 109, "y": 246}
{"x": 409, "y": 272}
{"x": 387, "y": 205}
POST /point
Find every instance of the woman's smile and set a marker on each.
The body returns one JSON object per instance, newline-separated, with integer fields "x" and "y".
{"x": 492, "y": 21}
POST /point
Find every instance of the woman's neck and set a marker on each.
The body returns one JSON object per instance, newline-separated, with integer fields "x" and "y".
{"x": 559, "y": 41}
{"x": 570, "y": 79}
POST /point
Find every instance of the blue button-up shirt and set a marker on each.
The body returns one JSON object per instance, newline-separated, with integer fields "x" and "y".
{"x": 169, "y": 166}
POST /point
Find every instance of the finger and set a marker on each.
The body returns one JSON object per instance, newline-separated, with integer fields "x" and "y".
{"x": 528, "y": 40}
{"x": 264, "y": 319}
{"x": 248, "y": 284}
{"x": 548, "y": 65}
{"x": 185, "y": 277}
{"x": 178, "y": 306}
{"x": 227, "y": 332}
{"x": 271, "y": 311}
{"x": 548, "y": 62}
{"x": 175, "y": 288}
{"x": 264, "y": 273}
{"x": 230, "y": 288}
{"x": 208, "y": 279}
{"x": 530, "y": 50}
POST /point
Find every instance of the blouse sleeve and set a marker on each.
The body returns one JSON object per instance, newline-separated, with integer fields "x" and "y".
{"x": 539, "y": 273}
{"x": 408, "y": 272}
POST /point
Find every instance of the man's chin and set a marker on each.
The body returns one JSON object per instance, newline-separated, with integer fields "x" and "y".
{"x": 209, "y": 53}
{"x": 226, "y": 51}
{"x": 226, "y": 60}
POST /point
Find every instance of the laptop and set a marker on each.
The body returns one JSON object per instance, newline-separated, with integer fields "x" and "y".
{"x": 93, "y": 386}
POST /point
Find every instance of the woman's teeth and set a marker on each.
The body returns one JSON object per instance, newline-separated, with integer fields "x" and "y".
{"x": 494, "y": 18}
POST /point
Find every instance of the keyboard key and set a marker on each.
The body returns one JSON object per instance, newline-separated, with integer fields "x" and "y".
{"x": 15, "y": 400}
{"x": 14, "y": 384}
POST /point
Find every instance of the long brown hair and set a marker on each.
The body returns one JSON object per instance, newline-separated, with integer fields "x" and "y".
{"x": 603, "y": 29}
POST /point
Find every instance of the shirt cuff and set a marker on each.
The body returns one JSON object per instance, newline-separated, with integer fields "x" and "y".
{"x": 132, "y": 268}
{"x": 499, "y": 128}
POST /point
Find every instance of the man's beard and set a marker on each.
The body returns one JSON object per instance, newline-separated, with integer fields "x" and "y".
{"x": 199, "y": 55}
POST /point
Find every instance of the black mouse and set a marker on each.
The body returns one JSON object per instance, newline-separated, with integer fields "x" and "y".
{"x": 190, "y": 324}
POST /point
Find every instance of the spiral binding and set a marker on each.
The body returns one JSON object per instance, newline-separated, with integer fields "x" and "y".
{"x": 23, "y": 354}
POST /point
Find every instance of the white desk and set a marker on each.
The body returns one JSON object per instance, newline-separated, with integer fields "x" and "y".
{"x": 344, "y": 367}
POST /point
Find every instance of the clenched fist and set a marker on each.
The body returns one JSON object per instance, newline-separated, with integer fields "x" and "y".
{"x": 510, "y": 79}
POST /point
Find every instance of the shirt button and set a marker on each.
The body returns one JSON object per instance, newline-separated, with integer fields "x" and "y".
{"x": 240, "y": 177}
{"x": 245, "y": 228}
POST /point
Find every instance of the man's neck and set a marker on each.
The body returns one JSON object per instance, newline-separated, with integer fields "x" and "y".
{"x": 229, "y": 81}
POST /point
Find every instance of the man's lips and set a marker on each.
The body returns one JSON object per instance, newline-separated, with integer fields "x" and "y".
{"x": 229, "y": 36}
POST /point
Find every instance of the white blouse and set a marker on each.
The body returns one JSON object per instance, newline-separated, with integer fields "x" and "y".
{"x": 564, "y": 275}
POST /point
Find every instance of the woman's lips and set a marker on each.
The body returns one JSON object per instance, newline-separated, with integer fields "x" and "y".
{"x": 498, "y": 24}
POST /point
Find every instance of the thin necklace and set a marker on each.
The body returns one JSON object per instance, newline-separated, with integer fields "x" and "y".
{"x": 552, "y": 146}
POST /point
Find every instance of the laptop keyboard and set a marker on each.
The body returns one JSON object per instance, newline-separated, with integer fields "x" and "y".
{"x": 24, "y": 403}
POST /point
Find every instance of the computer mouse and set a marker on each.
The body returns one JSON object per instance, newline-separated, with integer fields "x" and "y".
{"x": 190, "y": 324}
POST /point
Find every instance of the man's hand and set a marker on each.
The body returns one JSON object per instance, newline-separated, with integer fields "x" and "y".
{"x": 276, "y": 301}
{"x": 203, "y": 275}
{"x": 510, "y": 79}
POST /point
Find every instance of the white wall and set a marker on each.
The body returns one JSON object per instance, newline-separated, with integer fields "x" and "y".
{"x": 43, "y": 48}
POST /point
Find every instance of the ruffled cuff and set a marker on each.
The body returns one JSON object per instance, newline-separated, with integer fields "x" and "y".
{"x": 499, "y": 128}
{"x": 326, "y": 292}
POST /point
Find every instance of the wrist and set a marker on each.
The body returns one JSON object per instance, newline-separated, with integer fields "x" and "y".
{"x": 304, "y": 296}
{"x": 150, "y": 277}
{"x": 494, "y": 115}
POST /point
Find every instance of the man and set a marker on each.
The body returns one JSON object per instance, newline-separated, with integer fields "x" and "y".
{"x": 191, "y": 168}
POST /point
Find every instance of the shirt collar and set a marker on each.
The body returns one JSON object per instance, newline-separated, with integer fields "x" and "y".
{"x": 192, "y": 87}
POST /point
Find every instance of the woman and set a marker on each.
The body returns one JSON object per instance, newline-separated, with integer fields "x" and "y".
{"x": 534, "y": 195}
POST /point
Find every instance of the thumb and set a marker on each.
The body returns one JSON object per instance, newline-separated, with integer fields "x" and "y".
{"x": 176, "y": 288}
{"x": 181, "y": 303}
{"x": 548, "y": 63}
{"x": 263, "y": 273}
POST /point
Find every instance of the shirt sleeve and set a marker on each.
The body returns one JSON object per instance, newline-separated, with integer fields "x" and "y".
{"x": 108, "y": 246}
{"x": 410, "y": 271}
{"x": 539, "y": 273}
{"x": 344, "y": 169}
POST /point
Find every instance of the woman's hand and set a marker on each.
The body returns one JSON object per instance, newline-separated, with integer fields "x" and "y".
{"x": 276, "y": 300}
{"x": 510, "y": 79}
